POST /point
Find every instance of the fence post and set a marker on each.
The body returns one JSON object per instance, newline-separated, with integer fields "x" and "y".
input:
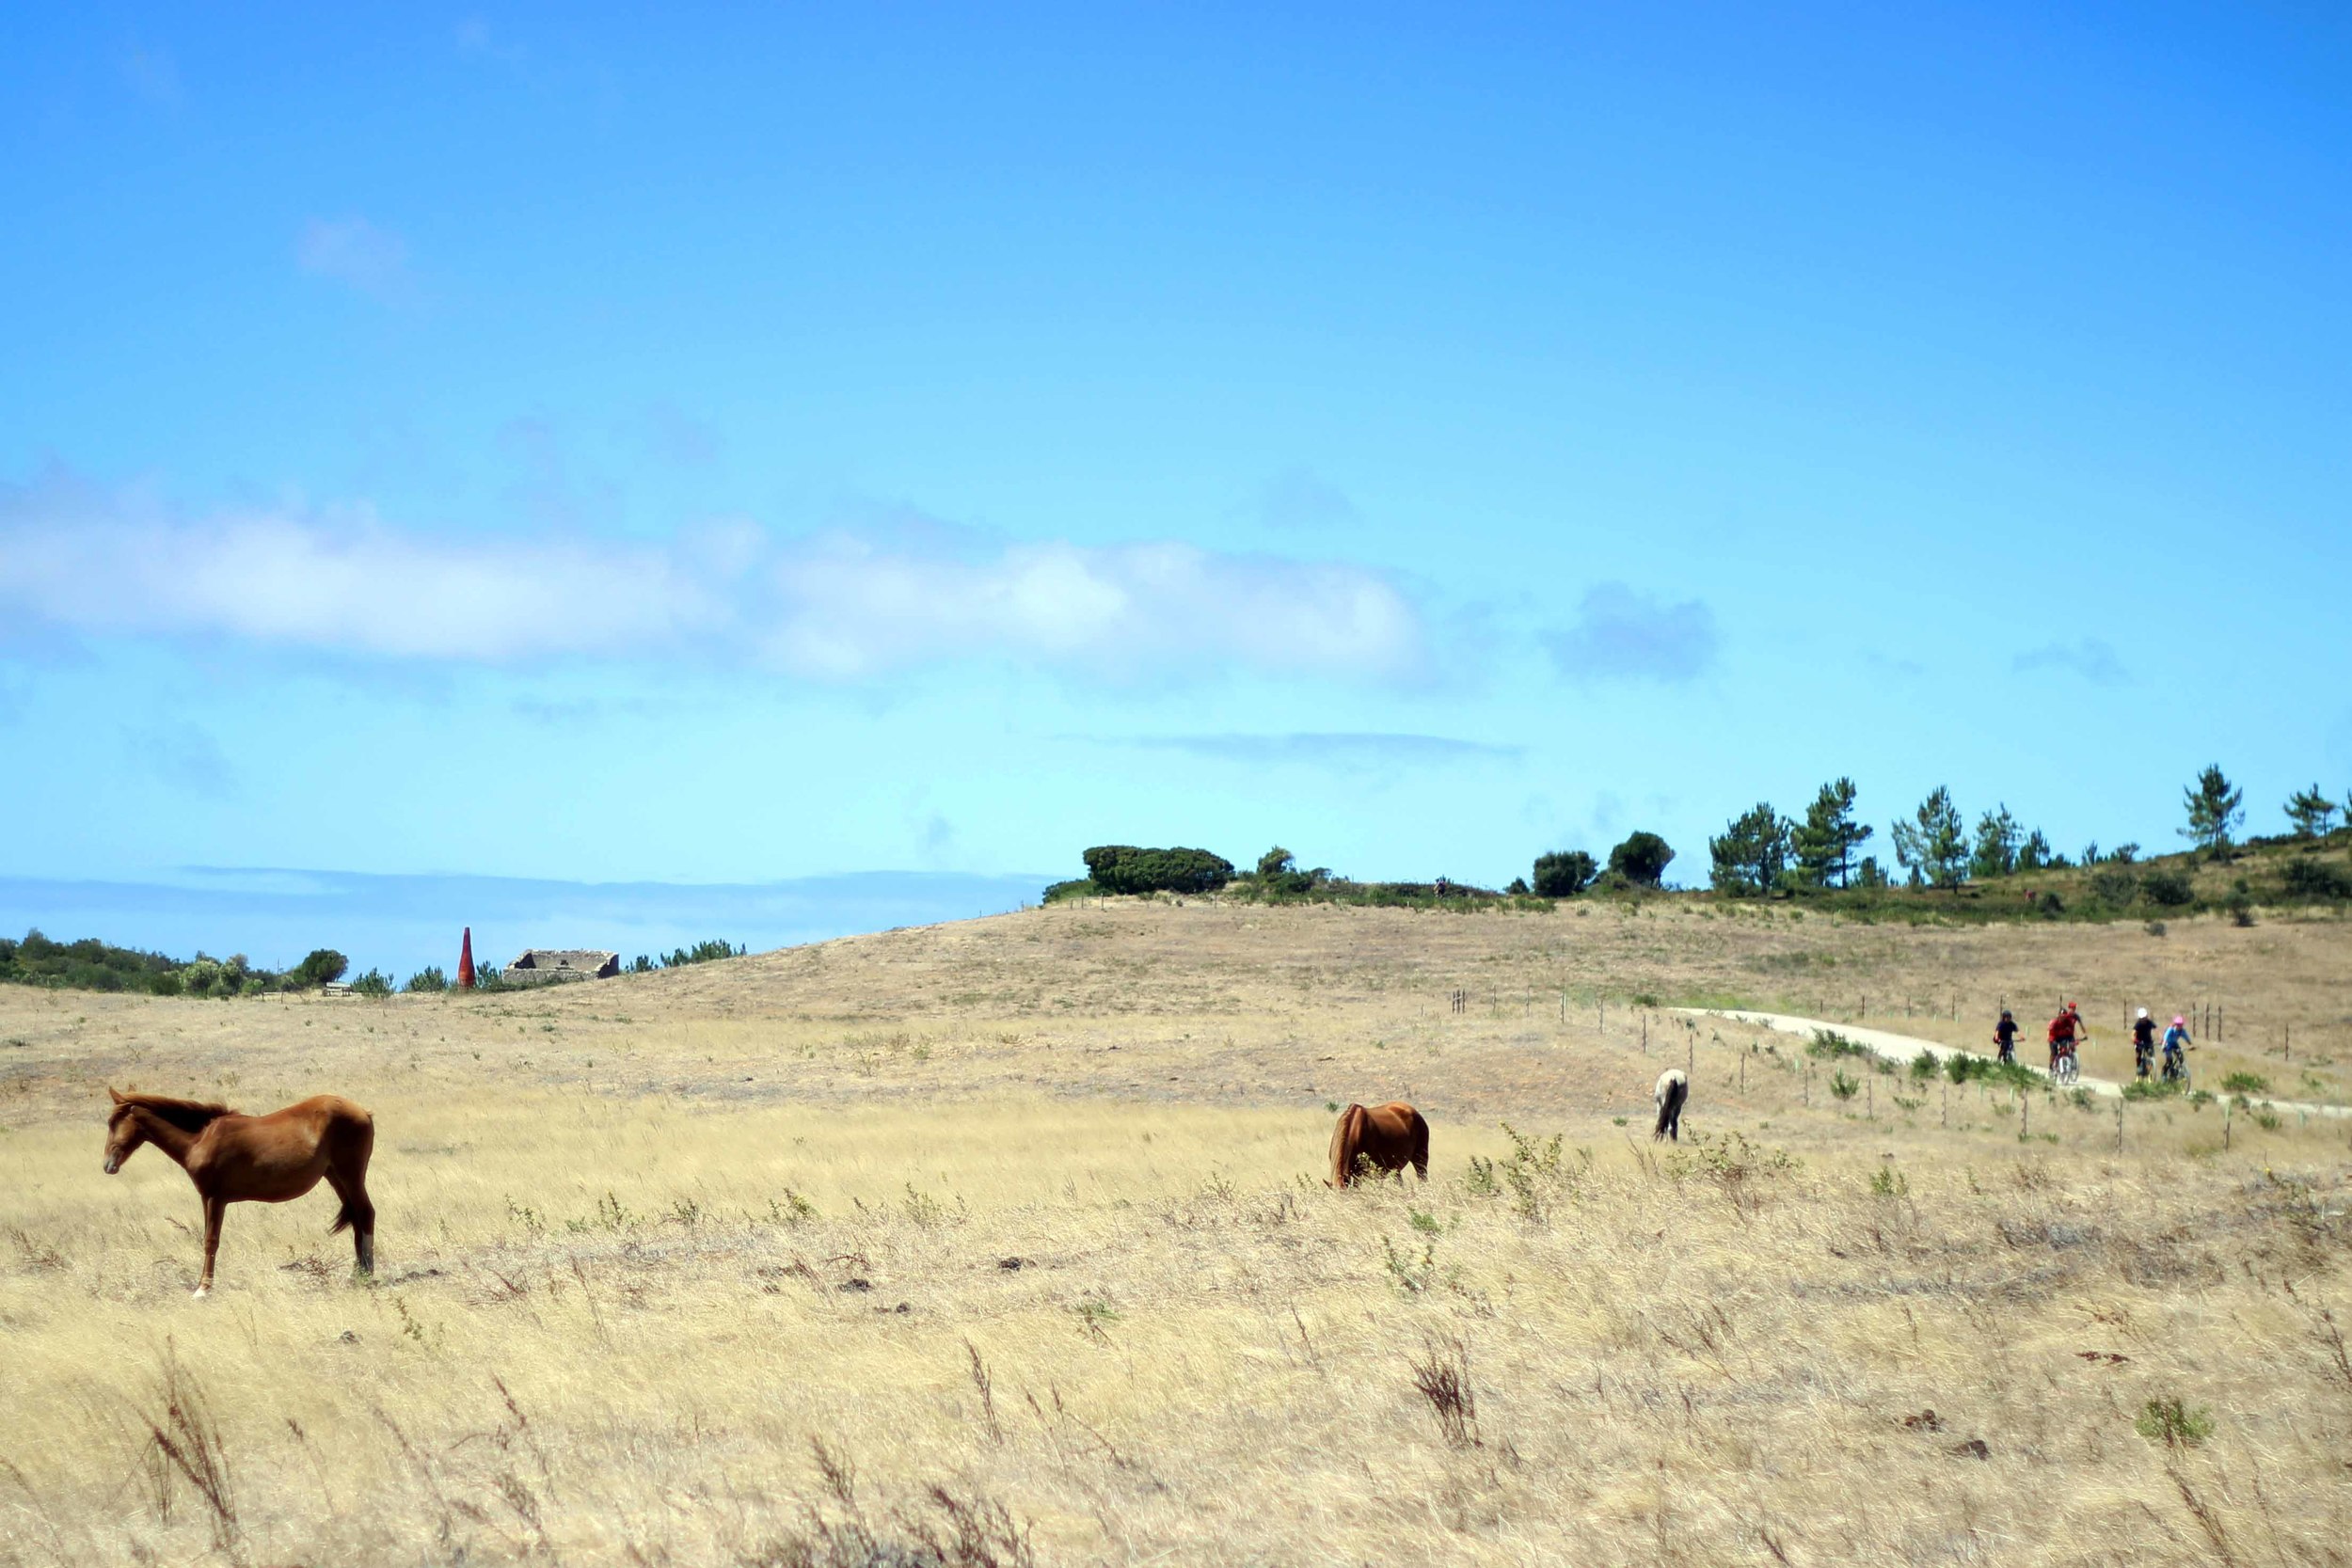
{"x": 2119, "y": 1124}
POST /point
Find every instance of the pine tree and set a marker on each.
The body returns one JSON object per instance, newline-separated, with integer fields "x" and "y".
{"x": 1753, "y": 853}
{"x": 1997, "y": 837}
{"x": 2215, "y": 806}
{"x": 2310, "y": 812}
{"x": 1934, "y": 847}
{"x": 1824, "y": 843}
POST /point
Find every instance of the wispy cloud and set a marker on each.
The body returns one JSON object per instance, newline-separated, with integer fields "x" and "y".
{"x": 153, "y": 76}
{"x": 1296, "y": 499}
{"x": 1342, "y": 748}
{"x": 1621, "y": 634}
{"x": 846, "y": 606}
{"x": 2092, "y": 659}
{"x": 182, "y": 754}
{"x": 356, "y": 253}
{"x": 478, "y": 40}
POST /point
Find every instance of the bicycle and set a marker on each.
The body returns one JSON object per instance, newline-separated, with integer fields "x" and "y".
{"x": 2065, "y": 1069}
{"x": 2176, "y": 1067}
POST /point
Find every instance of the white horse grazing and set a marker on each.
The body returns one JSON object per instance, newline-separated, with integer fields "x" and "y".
{"x": 1673, "y": 1088}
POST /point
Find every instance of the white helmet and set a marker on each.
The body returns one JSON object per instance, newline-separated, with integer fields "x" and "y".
{"x": 2143, "y": 1012}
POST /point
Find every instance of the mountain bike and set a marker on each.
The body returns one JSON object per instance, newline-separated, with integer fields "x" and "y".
{"x": 2065, "y": 1069}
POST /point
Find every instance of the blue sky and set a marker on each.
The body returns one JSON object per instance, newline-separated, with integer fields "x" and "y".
{"x": 726, "y": 448}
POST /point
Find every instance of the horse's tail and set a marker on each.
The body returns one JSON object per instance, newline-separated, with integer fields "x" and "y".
{"x": 1347, "y": 1140}
{"x": 343, "y": 1217}
{"x": 1673, "y": 1088}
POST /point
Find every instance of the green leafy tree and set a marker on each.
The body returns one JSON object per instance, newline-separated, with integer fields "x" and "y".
{"x": 2216, "y": 807}
{"x": 1564, "y": 873}
{"x": 2036, "y": 854}
{"x": 323, "y": 965}
{"x": 1824, "y": 843}
{"x": 1998, "y": 838}
{"x": 2310, "y": 811}
{"x": 1752, "y": 853}
{"x": 1642, "y": 859}
{"x": 1277, "y": 861}
{"x": 429, "y": 978}
{"x": 1933, "y": 847}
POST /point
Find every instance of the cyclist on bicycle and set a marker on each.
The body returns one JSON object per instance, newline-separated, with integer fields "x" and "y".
{"x": 2143, "y": 1042}
{"x": 2175, "y": 1045}
{"x": 2005, "y": 1037}
{"x": 2065, "y": 1030}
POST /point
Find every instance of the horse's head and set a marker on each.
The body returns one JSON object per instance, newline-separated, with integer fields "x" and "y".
{"x": 123, "y": 1133}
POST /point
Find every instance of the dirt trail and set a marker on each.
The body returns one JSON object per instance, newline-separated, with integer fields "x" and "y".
{"x": 1904, "y": 1047}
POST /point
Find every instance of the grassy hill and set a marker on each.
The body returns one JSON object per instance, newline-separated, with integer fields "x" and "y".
{"x": 1030, "y": 1210}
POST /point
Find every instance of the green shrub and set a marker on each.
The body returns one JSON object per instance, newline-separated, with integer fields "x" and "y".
{"x": 2310, "y": 877}
{"x": 2174, "y": 1424}
{"x": 1964, "y": 1067}
{"x": 2246, "y": 1083}
{"x": 1923, "y": 1064}
{"x": 2115, "y": 885}
{"x": 1843, "y": 1086}
{"x": 429, "y": 978}
{"x": 2170, "y": 888}
{"x": 373, "y": 983}
{"x": 1077, "y": 887}
{"x": 1564, "y": 873}
{"x": 1829, "y": 1042}
{"x": 1125, "y": 868}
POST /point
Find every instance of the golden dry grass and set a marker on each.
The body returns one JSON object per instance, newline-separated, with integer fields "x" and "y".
{"x": 644, "y": 1243}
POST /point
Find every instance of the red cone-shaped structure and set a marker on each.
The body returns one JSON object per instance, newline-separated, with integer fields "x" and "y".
{"x": 465, "y": 962}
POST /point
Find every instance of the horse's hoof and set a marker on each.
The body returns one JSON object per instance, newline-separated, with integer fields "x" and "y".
{"x": 202, "y": 1291}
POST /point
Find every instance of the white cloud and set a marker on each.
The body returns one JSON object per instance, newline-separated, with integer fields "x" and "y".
{"x": 843, "y": 606}
{"x": 354, "y": 252}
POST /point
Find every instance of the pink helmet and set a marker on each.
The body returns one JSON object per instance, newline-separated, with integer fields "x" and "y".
{"x": 2179, "y": 1022}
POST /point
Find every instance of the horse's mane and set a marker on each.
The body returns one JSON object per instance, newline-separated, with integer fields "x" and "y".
{"x": 189, "y": 1115}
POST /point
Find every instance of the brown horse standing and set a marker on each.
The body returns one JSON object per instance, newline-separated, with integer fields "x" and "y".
{"x": 234, "y": 1159}
{"x": 1389, "y": 1137}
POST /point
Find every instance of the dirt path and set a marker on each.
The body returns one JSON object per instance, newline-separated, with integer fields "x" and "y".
{"x": 1905, "y": 1048}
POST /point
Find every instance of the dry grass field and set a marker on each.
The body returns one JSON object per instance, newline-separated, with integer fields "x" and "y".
{"x": 1007, "y": 1242}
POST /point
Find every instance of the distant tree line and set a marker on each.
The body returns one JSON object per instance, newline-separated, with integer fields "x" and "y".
{"x": 91, "y": 964}
{"x": 1761, "y": 853}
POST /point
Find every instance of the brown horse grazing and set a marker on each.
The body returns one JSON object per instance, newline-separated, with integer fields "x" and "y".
{"x": 1388, "y": 1137}
{"x": 233, "y": 1158}
{"x": 1671, "y": 1094}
